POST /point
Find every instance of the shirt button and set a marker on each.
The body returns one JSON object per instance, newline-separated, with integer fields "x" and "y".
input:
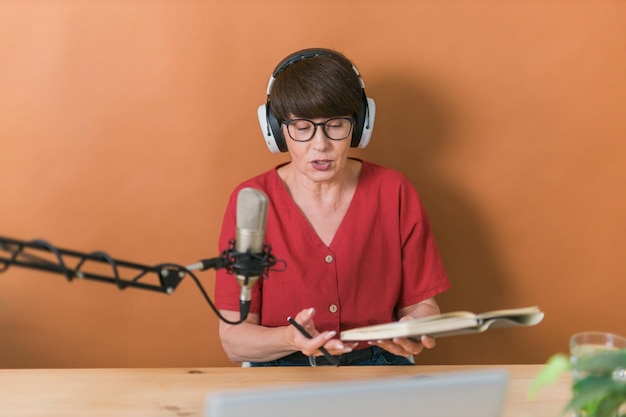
{"x": 328, "y": 258}
{"x": 333, "y": 308}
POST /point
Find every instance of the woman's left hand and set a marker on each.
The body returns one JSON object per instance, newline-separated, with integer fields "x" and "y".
{"x": 408, "y": 347}
{"x": 404, "y": 346}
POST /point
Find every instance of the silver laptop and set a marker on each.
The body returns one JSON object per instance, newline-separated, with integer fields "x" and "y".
{"x": 478, "y": 393}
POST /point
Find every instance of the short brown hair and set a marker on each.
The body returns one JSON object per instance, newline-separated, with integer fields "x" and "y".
{"x": 324, "y": 85}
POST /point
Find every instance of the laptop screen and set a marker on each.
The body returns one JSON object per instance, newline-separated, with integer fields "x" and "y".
{"x": 479, "y": 393}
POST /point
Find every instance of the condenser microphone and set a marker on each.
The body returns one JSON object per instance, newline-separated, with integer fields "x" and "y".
{"x": 249, "y": 243}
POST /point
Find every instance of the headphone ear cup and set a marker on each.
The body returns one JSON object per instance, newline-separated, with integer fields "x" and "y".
{"x": 368, "y": 128}
{"x": 271, "y": 130}
{"x": 364, "y": 124}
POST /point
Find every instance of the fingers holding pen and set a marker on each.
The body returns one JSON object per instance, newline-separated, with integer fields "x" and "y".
{"x": 331, "y": 344}
{"x": 311, "y": 347}
{"x": 313, "y": 343}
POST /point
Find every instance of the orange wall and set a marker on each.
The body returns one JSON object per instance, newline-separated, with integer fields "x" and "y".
{"x": 124, "y": 126}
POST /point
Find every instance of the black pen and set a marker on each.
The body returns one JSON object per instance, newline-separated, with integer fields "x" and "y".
{"x": 306, "y": 334}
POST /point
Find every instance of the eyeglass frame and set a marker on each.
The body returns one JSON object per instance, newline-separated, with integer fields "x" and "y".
{"x": 352, "y": 120}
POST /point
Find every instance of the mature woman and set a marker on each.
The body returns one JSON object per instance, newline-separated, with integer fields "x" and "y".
{"x": 357, "y": 244}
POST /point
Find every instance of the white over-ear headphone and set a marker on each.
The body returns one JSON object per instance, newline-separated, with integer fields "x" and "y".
{"x": 271, "y": 129}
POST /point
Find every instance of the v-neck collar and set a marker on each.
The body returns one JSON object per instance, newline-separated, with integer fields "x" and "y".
{"x": 293, "y": 209}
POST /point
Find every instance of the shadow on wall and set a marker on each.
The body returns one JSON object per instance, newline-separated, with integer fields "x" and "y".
{"x": 414, "y": 127}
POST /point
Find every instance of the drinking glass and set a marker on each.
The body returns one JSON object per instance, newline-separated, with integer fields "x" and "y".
{"x": 587, "y": 343}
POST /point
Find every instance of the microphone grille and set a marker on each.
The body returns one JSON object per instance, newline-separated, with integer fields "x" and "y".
{"x": 251, "y": 209}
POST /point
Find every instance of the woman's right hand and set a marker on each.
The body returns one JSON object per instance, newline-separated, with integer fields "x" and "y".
{"x": 310, "y": 347}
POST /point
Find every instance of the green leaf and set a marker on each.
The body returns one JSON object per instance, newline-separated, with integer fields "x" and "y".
{"x": 556, "y": 366}
{"x": 608, "y": 406}
{"x": 588, "y": 391}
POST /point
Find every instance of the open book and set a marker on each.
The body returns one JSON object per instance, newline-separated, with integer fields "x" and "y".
{"x": 446, "y": 324}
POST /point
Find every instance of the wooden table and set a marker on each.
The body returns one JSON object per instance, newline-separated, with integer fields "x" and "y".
{"x": 181, "y": 392}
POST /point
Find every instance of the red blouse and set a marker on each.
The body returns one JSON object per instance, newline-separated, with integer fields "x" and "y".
{"x": 382, "y": 257}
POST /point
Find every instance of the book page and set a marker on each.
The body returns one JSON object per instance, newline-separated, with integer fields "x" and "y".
{"x": 521, "y": 317}
{"x": 511, "y": 312}
{"x": 412, "y": 328}
{"x": 447, "y": 324}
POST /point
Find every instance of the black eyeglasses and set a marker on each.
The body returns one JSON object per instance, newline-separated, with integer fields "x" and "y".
{"x": 303, "y": 130}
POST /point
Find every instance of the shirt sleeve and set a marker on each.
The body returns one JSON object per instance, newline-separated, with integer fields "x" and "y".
{"x": 424, "y": 275}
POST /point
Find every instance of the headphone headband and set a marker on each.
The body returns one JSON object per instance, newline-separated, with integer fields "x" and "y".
{"x": 270, "y": 126}
{"x": 305, "y": 54}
